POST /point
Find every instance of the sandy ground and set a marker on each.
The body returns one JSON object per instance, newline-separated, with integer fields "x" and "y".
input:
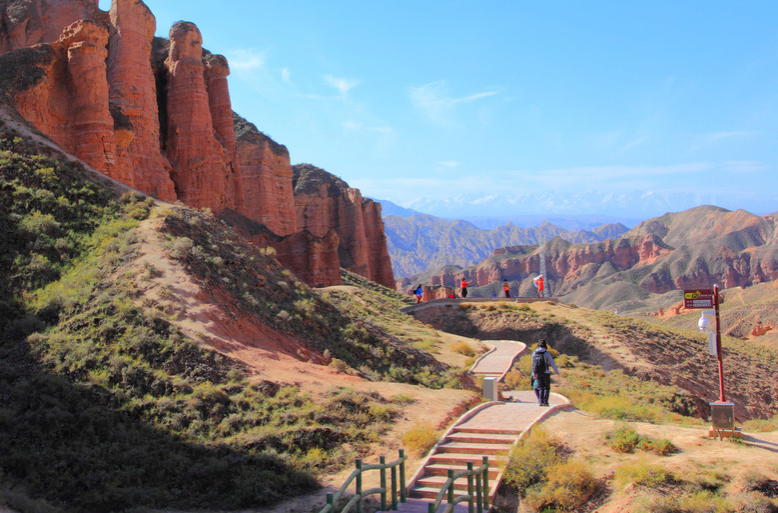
{"x": 584, "y": 436}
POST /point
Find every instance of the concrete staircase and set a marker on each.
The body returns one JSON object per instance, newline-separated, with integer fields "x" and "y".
{"x": 455, "y": 450}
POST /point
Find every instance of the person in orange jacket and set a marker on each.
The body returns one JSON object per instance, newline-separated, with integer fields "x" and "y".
{"x": 507, "y": 288}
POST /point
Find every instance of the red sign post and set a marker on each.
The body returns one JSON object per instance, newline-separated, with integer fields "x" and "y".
{"x": 700, "y": 298}
{"x": 706, "y": 298}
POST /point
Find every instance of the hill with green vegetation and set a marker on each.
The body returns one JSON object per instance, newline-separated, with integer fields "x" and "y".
{"x": 111, "y": 395}
{"x": 153, "y": 359}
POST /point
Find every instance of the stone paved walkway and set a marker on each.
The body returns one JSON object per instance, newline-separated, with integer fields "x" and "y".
{"x": 499, "y": 361}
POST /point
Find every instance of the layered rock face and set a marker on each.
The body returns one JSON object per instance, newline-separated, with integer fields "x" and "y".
{"x": 156, "y": 114}
{"x": 133, "y": 100}
{"x": 27, "y": 23}
{"x": 326, "y": 202}
{"x": 267, "y": 179}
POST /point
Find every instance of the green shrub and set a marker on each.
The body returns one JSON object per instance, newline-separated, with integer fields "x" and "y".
{"x": 623, "y": 439}
{"x": 641, "y": 473}
{"x": 419, "y": 439}
{"x": 529, "y": 460}
{"x": 567, "y": 487}
{"x": 464, "y": 348}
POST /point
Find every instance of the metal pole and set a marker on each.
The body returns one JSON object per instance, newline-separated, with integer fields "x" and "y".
{"x": 718, "y": 343}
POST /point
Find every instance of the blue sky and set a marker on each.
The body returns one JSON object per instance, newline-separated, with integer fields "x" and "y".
{"x": 490, "y": 104}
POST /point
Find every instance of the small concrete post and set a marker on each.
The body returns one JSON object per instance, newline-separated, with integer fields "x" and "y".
{"x": 490, "y": 389}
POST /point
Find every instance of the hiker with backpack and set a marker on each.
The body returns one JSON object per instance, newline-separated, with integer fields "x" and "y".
{"x": 542, "y": 362}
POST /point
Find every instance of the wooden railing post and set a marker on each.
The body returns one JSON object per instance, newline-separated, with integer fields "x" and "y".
{"x": 478, "y": 495}
{"x": 451, "y": 487}
{"x": 359, "y": 484}
{"x": 382, "y": 461}
{"x": 331, "y": 501}
{"x": 469, "y": 487}
{"x": 394, "y": 488}
{"x": 402, "y": 475}
{"x": 486, "y": 482}
{"x": 431, "y": 507}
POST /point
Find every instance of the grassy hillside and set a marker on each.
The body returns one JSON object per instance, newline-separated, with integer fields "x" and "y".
{"x": 631, "y": 349}
{"x": 109, "y": 401}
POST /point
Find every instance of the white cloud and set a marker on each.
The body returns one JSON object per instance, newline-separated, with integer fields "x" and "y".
{"x": 343, "y": 85}
{"x": 286, "y": 75}
{"x": 715, "y": 137}
{"x": 744, "y": 166}
{"x": 449, "y": 164}
{"x": 437, "y": 105}
{"x": 243, "y": 59}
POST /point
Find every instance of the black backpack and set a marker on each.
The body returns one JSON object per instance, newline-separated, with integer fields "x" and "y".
{"x": 539, "y": 364}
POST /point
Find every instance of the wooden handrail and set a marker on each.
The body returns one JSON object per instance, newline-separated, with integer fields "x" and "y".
{"x": 356, "y": 500}
{"x": 477, "y": 498}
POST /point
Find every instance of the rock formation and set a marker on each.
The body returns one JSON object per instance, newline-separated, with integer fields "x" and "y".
{"x": 326, "y": 202}
{"x": 133, "y": 100}
{"x": 26, "y": 23}
{"x": 156, "y": 114}
{"x": 267, "y": 179}
{"x": 201, "y": 169}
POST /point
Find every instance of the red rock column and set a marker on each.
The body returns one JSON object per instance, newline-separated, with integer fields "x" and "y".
{"x": 216, "y": 72}
{"x": 380, "y": 263}
{"x": 91, "y": 136}
{"x": 351, "y": 229}
{"x": 200, "y": 168}
{"x": 134, "y": 93}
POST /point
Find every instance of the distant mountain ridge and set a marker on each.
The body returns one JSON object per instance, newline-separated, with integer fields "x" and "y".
{"x": 691, "y": 249}
{"x": 423, "y": 242}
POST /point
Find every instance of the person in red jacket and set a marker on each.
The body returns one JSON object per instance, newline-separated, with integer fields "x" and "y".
{"x": 539, "y": 284}
{"x": 464, "y": 287}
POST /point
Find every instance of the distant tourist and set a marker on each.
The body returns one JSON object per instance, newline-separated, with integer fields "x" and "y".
{"x": 507, "y": 288}
{"x": 542, "y": 362}
{"x": 464, "y": 285}
{"x": 539, "y": 284}
{"x": 418, "y": 293}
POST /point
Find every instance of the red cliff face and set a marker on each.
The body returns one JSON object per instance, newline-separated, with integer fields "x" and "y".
{"x": 26, "y": 23}
{"x": 156, "y": 115}
{"x": 68, "y": 98}
{"x": 267, "y": 179}
{"x": 325, "y": 202}
{"x": 133, "y": 100}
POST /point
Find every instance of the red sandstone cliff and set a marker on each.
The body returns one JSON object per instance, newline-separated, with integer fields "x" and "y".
{"x": 156, "y": 114}
{"x": 326, "y": 202}
{"x": 267, "y": 179}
